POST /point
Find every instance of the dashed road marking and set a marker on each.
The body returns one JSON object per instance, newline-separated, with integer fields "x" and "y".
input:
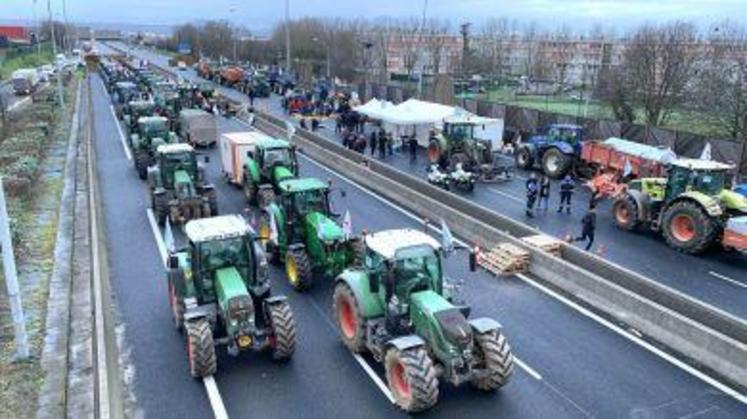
{"x": 121, "y": 135}
{"x": 727, "y": 279}
{"x": 216, "y": 401}
{"x": 507, "y": 195}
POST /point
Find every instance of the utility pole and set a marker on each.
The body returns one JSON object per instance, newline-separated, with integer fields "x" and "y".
{"x": 66, "y": 35}
{"x": 287, "y": 37}
{"x": 54, "y": 53}
{"x": 464, "y": 31}
{"x": 38, "y": 30}
{"x": 11, "y": 280}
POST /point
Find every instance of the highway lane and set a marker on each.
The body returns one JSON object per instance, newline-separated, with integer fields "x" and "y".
{"x": 717, "y": 278}
{"x": 585, "y": 369}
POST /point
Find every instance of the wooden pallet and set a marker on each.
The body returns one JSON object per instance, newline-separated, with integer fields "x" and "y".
{"x": 505, "y": 259}
{"x": 544, "y": 242}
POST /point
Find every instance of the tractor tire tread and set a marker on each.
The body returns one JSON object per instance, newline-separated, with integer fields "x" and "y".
{"x": 422, "y": 378}
{"x": 284, "y": 330}
{"x": 712, "y": 228}
{"x": 357, "y": 344}
{"x": 200, "y": 339}
{"x": 499, "y": 361}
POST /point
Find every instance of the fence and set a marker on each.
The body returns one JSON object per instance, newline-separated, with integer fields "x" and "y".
{"x": 527, "y": 120}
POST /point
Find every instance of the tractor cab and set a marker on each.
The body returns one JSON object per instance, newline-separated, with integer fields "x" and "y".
{"x": 565, "y": 133}
{"x": 308, "y": 200}
{"x": 277, "y": 159}
{"x": 151, "y": 127}
{"x": 703, "y": 176}
{"x": 125, "y": 91}
{"x": 178, "y": 165}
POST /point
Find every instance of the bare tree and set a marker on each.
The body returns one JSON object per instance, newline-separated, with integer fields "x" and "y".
{"x": 436, "y": 37}
{"x": 722, "y": 79}
{"x": 496, "y": 45}
{"x": 559, "y": 51}
{"x": 658, "y": 65}
{"x": 612, "y": 88}
{"x": 409, "y": 36}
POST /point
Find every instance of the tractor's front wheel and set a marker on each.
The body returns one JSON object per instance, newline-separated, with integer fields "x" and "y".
{"x": 524, "y": 158}
{"x": 283, "y": 331}
{"x": 160, "y": 208}
{"x": 298, "y": 269}
{"x": 688, "y": 228}
{"x": 412, "y": 378}
{"x": 141, "y": 165}
{"x": 625, "y": 211}
{"x": 555, "y": 163}
{"x": 496, "y": 358}
{"x": 265, "y": 197}
{"x": 200, "y": 349}
{"x": 349, "y": 320}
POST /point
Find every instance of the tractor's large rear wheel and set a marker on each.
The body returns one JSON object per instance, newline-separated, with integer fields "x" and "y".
{"x": 524, "y": 158}
{"x": 160, "y": 207}
{"x": 434, "y": 153}
{"x": 349, "y": 320}
{"x": 496, "y": 358}
{"x": 265, "y": 197}
{"x": 200, "y": 349}
{"x": 412, "y": 378}
{"x": 141, "y": 165}
{"x": 250, "y": 190}
{"x": 625, "y": 211}
{"x": 688, "y": 228}
{"x": 555, "y": 163}
{"x": 283, "y": 331}
{"x": 298, "y": 269}
{"x": 213, "y": 204}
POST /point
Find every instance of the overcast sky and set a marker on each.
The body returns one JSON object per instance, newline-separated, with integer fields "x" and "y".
{"x": 259, "y": 15}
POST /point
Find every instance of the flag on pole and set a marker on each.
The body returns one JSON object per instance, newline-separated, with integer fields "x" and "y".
{"x": 168, "y": 236}
{"x": 628, "y": 168}
{"x": 273, "y": 229}
{"x": 347, "y": 226}
{"x": 447, "y": 239}
{"x": 706, "y": 154}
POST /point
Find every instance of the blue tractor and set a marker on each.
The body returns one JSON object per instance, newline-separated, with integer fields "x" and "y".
{"x": 555, "y": 152}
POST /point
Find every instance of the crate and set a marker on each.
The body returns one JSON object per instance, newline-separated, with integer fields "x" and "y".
{"x": 505, "y": 259}
{"x": 544, "y": 242}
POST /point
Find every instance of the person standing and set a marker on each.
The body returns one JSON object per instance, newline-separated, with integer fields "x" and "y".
{"x": 382, "y": 145}
{"x": 389, "y": 144}
{"x": 532, "y": 190}
{"x": 589, "y": 225}
{"x": 372, "y": 142}
{"x": 252, "y": 95}
{"x": 544, "y": 193}
{"x": 567, "y": 187}
{"x": 413, "y": 145}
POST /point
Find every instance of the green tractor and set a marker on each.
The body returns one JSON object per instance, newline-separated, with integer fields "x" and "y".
{"x": 122, "y": 93}
{"x": 219, "y": 292}
{"x": 457, "y": 145}
{"x": 267, "y": 164}
{"x": 178, "y": 188}
{"x": 135, "y": 109}
{"x": 150, "y": 132}
{"x": 399, "y": 307}
{"x": 691, "y": 206}
{"x": 309, "y": 242}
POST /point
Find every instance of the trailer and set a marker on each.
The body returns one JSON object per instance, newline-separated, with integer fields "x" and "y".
{"x": 234, "y": 148}
{"x": 197, "y": 127}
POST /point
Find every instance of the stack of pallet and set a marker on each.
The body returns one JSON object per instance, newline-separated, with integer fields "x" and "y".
{"x": 505, "y": 259}
{"x": 544, "y": 242}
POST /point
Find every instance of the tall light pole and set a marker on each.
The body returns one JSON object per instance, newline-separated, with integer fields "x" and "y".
{"x": 287, "y": 37}
{"x": 54, "y": 53}
{"x": 233, "y": 10}
{"x": 66, "y": 35}
{"x": 38, "y": 29}
{"x": 327, "y": 48}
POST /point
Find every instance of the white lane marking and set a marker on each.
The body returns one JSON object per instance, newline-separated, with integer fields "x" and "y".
{"x": 219, "y": 410}
{"x": 375, "y": 377}
{"x": 19, "y": 103}
{"x": 640, "y": 342}
{"x": 637, "y": 340}
{"x": 216, "y": 401}
{"x": 531, "y": 371}
{"x": 727, "y": 279}
{"x": 507, "y": 195}
{"x": 121, "y": 135}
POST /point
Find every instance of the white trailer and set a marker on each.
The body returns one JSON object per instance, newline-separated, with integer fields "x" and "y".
{"x": 198, "y": 127}
{"x": 234, "y": 147}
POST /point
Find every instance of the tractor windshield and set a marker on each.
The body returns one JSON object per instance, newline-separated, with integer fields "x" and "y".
{"x": 232, "y": 252}
{"x": 314, "y": 200}
{"x": 460, "y": 131}
{"x": 565, "y": 134}
{"x": 179, "y": 161}
{"x": 277, "y": 157}
{"x": 155, "y": 128}
{"x": 710, "y": 183}
{"x": 416, "y": 268}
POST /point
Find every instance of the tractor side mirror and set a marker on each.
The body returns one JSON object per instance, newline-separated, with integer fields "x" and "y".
{"x": 173, "y": 261}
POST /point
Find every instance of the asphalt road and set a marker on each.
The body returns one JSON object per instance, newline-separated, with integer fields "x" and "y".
{"x": 716, "y": 277}
{"x": 579, "y": 368}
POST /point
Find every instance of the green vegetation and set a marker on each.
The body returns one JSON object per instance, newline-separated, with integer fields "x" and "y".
{"x": 681, "y": 120}
{"x": 30, "y": 59}
{"x": 31, "y": 153}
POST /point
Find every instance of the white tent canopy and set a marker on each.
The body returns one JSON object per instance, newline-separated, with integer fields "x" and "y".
{"x": 374, "y": 108}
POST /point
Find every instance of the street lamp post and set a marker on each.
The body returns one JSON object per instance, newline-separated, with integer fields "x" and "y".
{"x": 54, "y": 53}
{"x": 287, "y": 37}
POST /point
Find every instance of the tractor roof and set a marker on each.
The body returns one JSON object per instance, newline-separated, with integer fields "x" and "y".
{"x": 246, "y": 137}
{"x": 126, "y": 84}
{"x": 566, "y": 126}
{"x": 270, "y": 142}
{"x": 141, "y": 103}
{"x": 699, "y": 164}
{"x": 302, "y": 184}
{"x": 193, "y": 112}
{"x": 217, "y": 228}
{"x": 150, "y": 119}
{"x": 387, "y": 242}
{"x": 175, "y": 148}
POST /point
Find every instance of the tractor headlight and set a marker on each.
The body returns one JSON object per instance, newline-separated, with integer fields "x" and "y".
{"x": 244, "y": 341}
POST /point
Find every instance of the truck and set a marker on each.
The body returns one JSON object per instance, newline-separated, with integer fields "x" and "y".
{"x": 220, "y": 295}
{"x": 178, "y": 188}
{"x": 556, "y": 152}
{"x": 198, "y": 127}
{"x": 400, "y": 307}
{"x": 25, "y": 81}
